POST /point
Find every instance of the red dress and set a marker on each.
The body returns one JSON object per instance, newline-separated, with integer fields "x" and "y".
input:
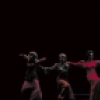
{"x": 92, "y": 76}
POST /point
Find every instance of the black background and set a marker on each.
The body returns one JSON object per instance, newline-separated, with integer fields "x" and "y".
{"x": 49, "y": 28}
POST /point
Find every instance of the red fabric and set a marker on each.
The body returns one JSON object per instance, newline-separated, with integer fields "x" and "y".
{"x": 92, "y": 76}
{"x": 36, "y": 91}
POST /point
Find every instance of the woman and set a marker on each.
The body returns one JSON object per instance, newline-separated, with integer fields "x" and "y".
{"x": 92, "y": 76}
{"x": 31, "y": 77}
{"x": 62, "y": 68}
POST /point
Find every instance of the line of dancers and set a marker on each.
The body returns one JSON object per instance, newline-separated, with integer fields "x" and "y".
{"x": 32, "y": 81}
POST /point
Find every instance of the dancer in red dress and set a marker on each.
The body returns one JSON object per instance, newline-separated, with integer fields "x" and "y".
{"x": 92, "y": 76}
{"x": 62, "y": 69}
{"x": 31, "y": 77}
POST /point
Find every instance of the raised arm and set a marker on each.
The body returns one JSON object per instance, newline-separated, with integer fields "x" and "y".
{"x": 37, "y": 63}
{"x": 78, "y": 64}
{"x": 24, "y": 56}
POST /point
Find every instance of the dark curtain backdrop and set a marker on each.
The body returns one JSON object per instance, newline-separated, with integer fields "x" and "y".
{"x": 49, "y": 28}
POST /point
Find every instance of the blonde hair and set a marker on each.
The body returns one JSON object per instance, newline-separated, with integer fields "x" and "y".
{"x": 62, "y": 54}
{"x": 32, "y": 53}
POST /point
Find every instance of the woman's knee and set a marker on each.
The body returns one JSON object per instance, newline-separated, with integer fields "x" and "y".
{"x": 66, "y": 84}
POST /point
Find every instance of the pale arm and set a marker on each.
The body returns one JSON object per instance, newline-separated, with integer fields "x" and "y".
{"x": 50, "y": 68}
{"x": 97, "y": 62}
{"x": 47, "y": 70}
{"x": 24, "y": 56}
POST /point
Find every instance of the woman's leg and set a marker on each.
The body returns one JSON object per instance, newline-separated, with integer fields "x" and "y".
{"x": 26, "y": 85}
{"x": 34, "y": 88}
{"x": 95, "y": 90}
{"x": 94, "y": 83}
{"x": 26, "y": 90}
{"x": 36, "y": 94}
{"x": 65, "y": 86}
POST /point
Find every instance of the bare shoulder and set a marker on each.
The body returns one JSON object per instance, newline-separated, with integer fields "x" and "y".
{"x": 68, "y": 62}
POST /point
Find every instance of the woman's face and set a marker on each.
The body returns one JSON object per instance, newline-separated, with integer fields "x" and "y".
{"x": 62, "y": 59}
{"x": 31, "y": 56}
{"x": 91, "y": 56}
